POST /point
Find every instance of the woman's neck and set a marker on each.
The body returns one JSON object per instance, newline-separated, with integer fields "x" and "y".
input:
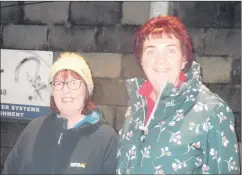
{"x": 155, "y": 93}
{"x": 73, "y": 119}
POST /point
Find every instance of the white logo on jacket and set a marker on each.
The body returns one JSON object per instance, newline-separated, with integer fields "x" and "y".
{"x": 78, "y": 165}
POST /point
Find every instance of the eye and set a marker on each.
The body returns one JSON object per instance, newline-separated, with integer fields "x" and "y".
{"x": 56, "y": 83}
{"x": 74, "y": 82}
{"x": 171, "y": 51}
{"x": 150, "y": 52}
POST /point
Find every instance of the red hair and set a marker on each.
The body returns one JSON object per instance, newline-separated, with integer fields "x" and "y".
{"x": 158, "y": 26}
{"x": 89, "y": 105}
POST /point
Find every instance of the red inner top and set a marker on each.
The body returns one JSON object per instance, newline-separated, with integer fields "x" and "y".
{"x": 146, "y": 89}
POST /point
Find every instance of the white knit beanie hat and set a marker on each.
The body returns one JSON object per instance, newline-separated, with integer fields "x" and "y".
{"x": 75, "y": 63}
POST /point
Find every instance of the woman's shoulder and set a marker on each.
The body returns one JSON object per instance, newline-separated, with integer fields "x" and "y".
{"x": 107, "y": 130}
{"x": 213, "y": 106}
{"x": 209, "y": 99}
{"x": 36, "y": 123}
{"x": 104, "y": 127}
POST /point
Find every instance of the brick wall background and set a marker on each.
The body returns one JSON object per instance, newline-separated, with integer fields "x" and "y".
{"x": 103, "y": 32}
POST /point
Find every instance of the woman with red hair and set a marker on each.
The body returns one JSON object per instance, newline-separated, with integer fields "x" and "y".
{"x": 74, "y": 138}
{"x": 174, "y": 124}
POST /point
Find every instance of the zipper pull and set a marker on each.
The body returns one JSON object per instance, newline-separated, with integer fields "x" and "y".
{"x": 60, "y": 138}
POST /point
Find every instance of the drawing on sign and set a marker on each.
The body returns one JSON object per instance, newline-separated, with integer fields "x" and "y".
{"x": 25, "y": 92}
{"x": 2, "y": 91}
{"x": 35, "y": 80}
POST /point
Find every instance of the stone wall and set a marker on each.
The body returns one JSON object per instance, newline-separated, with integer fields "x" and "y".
{"x": 103, "y": 32}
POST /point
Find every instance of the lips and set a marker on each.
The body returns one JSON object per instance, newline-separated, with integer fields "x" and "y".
{"x": 163, "y": 70}
{"x": 67, "y": 99}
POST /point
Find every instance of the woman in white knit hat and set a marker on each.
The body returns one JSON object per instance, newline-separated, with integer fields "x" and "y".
{"x": 74, "y": 139}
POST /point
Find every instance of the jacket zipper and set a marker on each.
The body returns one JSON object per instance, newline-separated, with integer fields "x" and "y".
{"x": 58, "y": 143}
{"x": 64, "y": 126}
{"x": 60, "y": 137}
{"x": 145, "y": 127}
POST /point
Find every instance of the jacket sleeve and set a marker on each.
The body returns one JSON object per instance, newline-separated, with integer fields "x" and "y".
{"x": 15, "y": 157}
{"x": 121, "y": 158}
{"x": 126, "y": 125}
{"x": 222, "y": 151}
{"x": 109, "y": 164}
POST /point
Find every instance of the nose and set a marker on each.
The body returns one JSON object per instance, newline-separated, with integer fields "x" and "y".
{"x": 65, "y": 89}
{"x": 161, "y": 58}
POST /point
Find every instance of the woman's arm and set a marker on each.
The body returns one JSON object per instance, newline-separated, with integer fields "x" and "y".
{"x": 110, "y": 161}
{"x": 223, "y": 153}
{"x": 14, "y": 159}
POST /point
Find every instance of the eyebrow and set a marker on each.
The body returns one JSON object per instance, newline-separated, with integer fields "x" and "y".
{"x": 147, "y": 47}
{"x": 172, "y": 45}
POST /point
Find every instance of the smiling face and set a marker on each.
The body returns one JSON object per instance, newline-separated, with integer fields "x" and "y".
{"x": 70, "y": 98}
{"x": 162, "y": 60}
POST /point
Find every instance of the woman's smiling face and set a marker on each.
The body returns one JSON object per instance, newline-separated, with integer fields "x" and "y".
{"x": 162, "y": 60}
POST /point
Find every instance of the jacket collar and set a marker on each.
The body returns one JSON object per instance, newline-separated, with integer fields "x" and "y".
{"x": 147, "y": 88}
{"x": 89, "y": 119}
{"x": 170, "y": 100}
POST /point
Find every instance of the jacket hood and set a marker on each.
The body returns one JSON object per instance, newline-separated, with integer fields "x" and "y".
{"x": 171, "y": 99}
{"x": 192, "y": 77}
{"x": 93, "y": 118}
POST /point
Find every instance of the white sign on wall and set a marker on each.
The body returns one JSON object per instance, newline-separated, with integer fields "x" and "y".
{"x": 25, "y": 92}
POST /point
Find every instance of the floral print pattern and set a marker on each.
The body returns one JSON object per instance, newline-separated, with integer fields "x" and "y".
{"x": 164, "y": 152}
{"x": 191, "y": 131}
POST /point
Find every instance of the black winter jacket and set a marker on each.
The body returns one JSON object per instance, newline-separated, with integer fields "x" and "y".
{"x": 47, "y": 147}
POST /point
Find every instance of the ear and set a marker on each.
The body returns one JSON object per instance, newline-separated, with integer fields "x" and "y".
{"x": 50, "y": 90}
{"x": 184, "y": 61}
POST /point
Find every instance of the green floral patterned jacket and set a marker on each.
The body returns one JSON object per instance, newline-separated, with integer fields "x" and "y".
{"x": 191, "y": 131}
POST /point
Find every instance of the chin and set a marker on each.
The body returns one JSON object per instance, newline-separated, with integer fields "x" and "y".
{"x": 162, "y": 83}
{"x": 67, "y": 111}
